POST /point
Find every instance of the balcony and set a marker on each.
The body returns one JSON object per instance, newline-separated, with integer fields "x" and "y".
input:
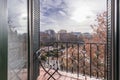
{"x": 73, "y": 61}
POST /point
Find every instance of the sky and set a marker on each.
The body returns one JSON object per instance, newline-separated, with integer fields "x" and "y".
{"x": 17, "y": 14}
{"x": 71, "y": 15}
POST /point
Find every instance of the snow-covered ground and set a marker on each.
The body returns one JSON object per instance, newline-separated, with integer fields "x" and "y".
{"x": 80, "y": 76}
{"x": 64, "y": 76}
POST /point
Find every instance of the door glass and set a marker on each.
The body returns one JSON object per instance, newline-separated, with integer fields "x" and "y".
{"x": 17, "y": 40}
{"x": 73, "y": 36}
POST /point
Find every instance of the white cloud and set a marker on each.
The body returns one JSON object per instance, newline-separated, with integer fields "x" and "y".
{"x": 62, "y": 13}
{"x": 17, "y": 12}
{"x": 72, "y": 15}
{"x": 81, "y": 14}
{"x": 78, "y": 15}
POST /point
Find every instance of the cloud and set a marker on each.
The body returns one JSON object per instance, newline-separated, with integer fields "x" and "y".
{"x": 71, "y": 15}
{"x": 17, "y": 13}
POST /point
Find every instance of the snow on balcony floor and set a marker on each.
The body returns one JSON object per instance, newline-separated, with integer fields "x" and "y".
{"x": 64, "y": 76}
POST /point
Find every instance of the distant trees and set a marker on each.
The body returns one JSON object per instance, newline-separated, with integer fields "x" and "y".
{"x": 74, "y": 55}
{"x": 99, "y": 37}
{"x": 99, "y": 29}
{"x": 97, "y": 50}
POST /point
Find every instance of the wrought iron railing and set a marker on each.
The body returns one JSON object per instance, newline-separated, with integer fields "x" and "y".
{"x": 87, "y": 59}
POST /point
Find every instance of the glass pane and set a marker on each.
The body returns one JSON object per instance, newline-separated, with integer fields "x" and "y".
{"x": 73, "y": 37}
{"x": 17, "y": 40}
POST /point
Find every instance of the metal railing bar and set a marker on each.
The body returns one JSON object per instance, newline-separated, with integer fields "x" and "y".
{"x": 48, "y": 56}
{"x": 97, "y": 60}
{"x": 105, "y": 61}
{"x": 84, "y": 60}
{"x": 57, "y": 54}
{"x": 67, "y": 57}
{"x": 79, "y": 42}
{"x": 78, "y": 62}
{"x": 90, "y": 60}
{"x": 72, "y": 59}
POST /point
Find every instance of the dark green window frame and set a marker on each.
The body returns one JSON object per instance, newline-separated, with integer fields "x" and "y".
{"x": 4, "y": 40}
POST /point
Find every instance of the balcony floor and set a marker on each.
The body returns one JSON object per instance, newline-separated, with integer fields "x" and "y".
{"x": 63, "y": 76}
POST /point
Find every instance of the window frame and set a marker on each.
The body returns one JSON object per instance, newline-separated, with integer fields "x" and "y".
{"x": 3, "y": 40}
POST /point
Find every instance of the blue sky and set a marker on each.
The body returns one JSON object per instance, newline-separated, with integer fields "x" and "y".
{"x": 72, "y": 15}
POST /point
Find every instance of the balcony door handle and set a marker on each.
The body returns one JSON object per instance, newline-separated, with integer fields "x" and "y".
{"x": 37, "y": 54}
